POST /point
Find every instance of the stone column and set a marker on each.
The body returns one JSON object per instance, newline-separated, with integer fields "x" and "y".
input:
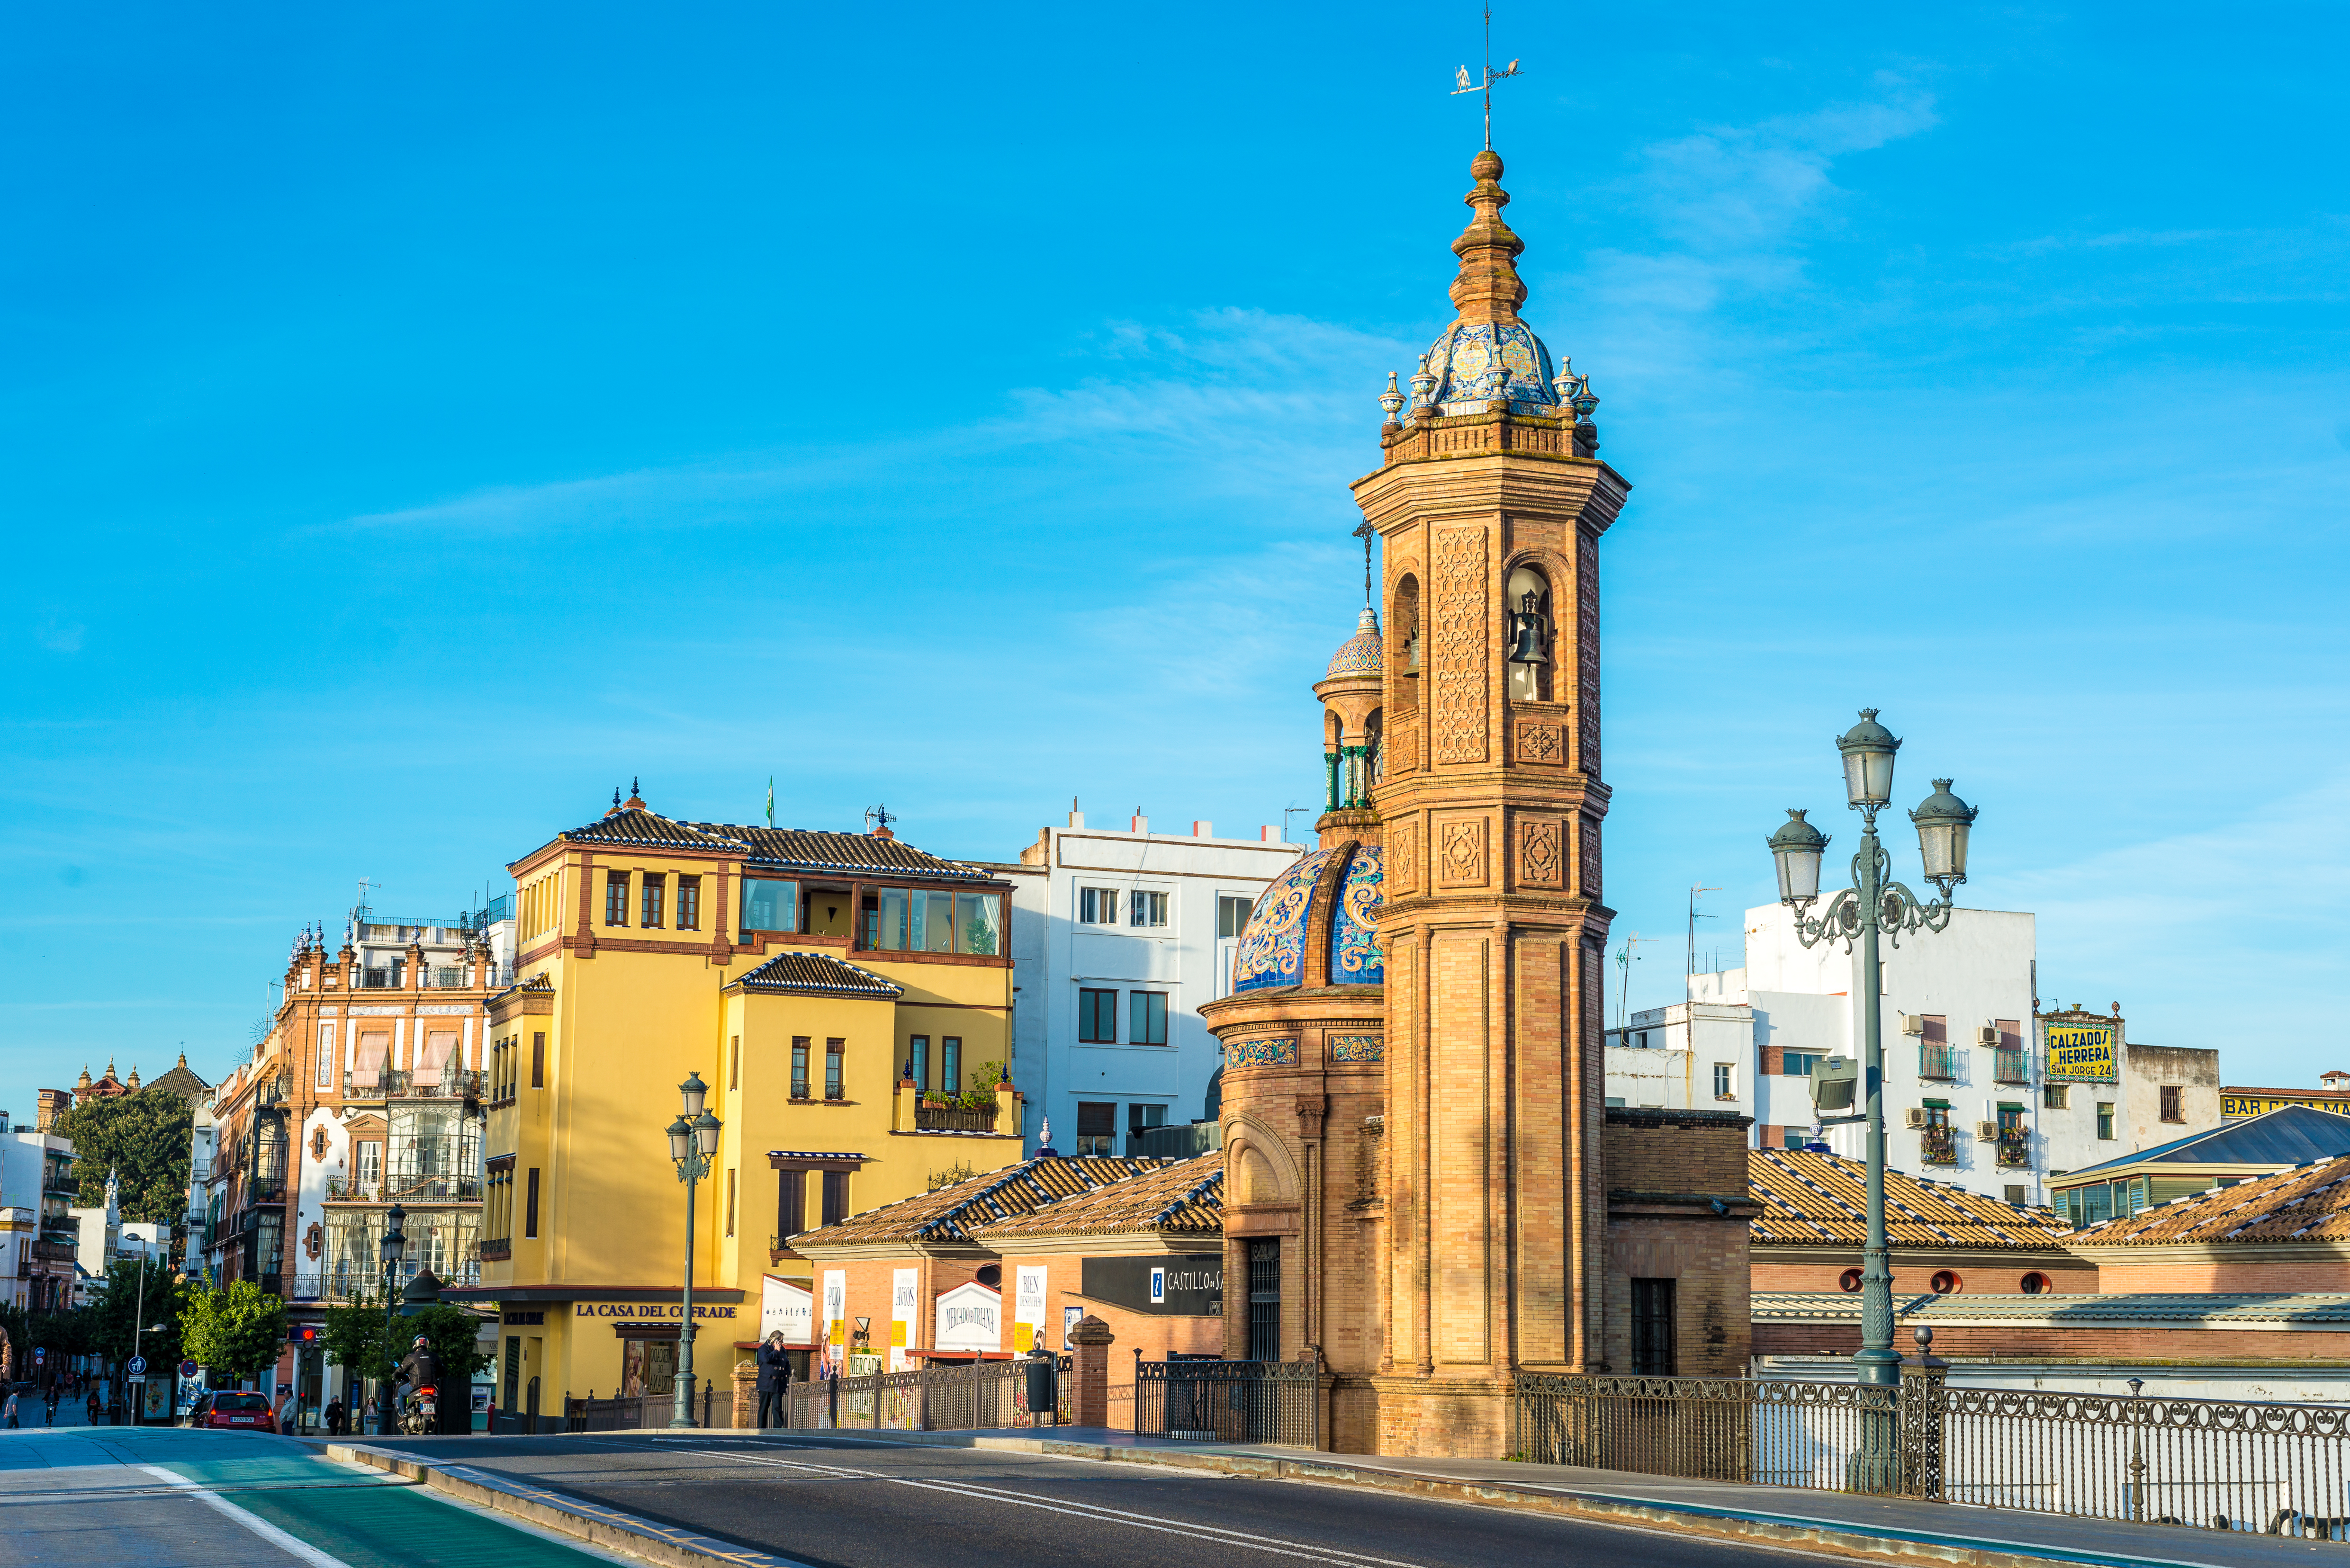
{"x": 1090, "y": 1341}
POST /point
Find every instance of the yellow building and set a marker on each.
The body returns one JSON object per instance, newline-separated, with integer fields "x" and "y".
{"x": 820, "y": 984}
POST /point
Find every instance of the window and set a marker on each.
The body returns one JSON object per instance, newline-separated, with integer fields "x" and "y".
{"x": 326, "y": 1055}
{"x": 2056, "y": 1097}
{"x": 1141, "y": 1119}
{"x": 1145, "y": 1018}
{"x": 950, "y": 1063}
{"x": 767, "y": 905}
{"x": 2173, "y": 1107}
{"x": 530, "y": 1205}
{"x": 1146, "y": 908}
{"x": 1799, "y": 1064}
{"x": 1652, "y": 1327}
{"x": 920, "y": 919}
{"x": 791, "y": 1203}
{"x": 1097, "y": 1127}
{"x": 1725, "y": 1080}
{"x": 1946, "y": 1282}
{"x": 2033, "y": 1283}
{"x": 2106, "y": 1119}
{"x": 799, "y": 1068}
{"x": 538, "y": 1061}
{"x": 1794, "y": 1138}
{"x": 1849, "y": 1282}
{"x": 371, "y": 1164}
{"x": 832, "y": 1085}
{"x": 688, "y": 903}
{"x": 917, "y": 1060}
{"x": 1231, "y": 915}
{"x": 730, "y": 1201}
{"x": 836, "y": 1196}
{"x": 1097, "y": 1017}
{"x": 616, "y": 897}
{"x": 1263, "y": 1297}
{"x": 649, "y": 912}
{"x": 734, "y": 1064}
{"x": 1097, "y": 906}
{"x": 2015, "y": 1196}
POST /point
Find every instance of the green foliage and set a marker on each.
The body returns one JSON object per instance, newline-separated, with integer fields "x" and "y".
{"x": 234, "y": 1330}
{"x": 110, "y": 1321}
{"x": 455, "y": 1334}
{"x": 354, "y": 1337}
{"x": 61, "y": 1334}
{"x": 143, "y": 1138}
{"x": 983, "y": 1078}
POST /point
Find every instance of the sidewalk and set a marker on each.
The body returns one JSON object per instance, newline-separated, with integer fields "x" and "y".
{"x": 1877, "y": 1527}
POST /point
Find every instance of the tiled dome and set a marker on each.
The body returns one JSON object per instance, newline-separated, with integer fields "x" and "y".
{"x": 1273, "y": 945}
{"x": 1466, "y": 359}
{"x": 1360, "y": 654}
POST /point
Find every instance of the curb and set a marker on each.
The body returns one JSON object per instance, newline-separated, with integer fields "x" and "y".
{"x": 591, "y": 1522}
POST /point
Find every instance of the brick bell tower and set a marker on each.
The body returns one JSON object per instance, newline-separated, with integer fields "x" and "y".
{"x": 1491, "y": 499}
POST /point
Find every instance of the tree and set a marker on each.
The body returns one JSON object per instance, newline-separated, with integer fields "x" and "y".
{"x": 234, "y": 1330}
{"x": 143, "y": 1138}
{"x": 111, "y": 1317}
{"x": 354, "y": 1337}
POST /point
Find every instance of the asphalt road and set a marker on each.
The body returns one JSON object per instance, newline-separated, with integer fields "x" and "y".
{"x": 831, "y": 1503}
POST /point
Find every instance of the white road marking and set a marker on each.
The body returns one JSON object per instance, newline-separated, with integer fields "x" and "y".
{"x": 292, "y": 1545}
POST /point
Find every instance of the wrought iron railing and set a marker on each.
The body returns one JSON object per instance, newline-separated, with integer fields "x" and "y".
{"x": 1937, "y": 1061}
{"x": 354, "y": 1283}
{"x": 1937, "y": 1145}
{"x": 631, "y": 1412}
{"x": 977, "y": 1396}
{"x": 2216, "y": 1464}
{"x": 451, "y": 1084}
{"x": 1274, "y": 1402}
{"x": 2008, "y": 1068}
{"x": 2014, "y": 1150}
{"x": 954, "y": 1119}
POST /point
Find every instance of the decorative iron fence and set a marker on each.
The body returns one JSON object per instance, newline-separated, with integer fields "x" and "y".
{"x": 1276, "y": 1402}
{"x": 2215, "y": 1464}
{"x": 955, "y": 1119}
{"x": 628, "y": 1412}
{"x": 974, "y": 1396}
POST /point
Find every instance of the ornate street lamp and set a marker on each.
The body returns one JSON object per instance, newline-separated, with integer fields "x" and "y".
{"x": 1875, "y": 904}
{"x": 394, "y": 1247}
{"x": 692, "y": 1140}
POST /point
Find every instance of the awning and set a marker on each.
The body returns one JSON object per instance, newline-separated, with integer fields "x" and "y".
{"x": 375, "y": 1055}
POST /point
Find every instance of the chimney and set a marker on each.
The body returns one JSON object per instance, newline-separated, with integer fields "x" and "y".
{"x": 1266, "y": 836}
{"x": 1076, "y": 819}
{"x": 1204, "y": 829}
{"x": 1138, "y": 824}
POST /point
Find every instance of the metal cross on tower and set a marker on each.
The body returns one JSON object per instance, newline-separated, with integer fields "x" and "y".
{"x": 1492, "y": 76}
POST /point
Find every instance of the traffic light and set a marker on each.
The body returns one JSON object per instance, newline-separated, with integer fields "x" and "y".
{"x": 301, "y": 1333}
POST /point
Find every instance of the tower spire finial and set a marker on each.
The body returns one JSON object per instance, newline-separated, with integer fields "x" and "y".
{"x": 1488, "y": 288}
{"x": 1486, "y": 86}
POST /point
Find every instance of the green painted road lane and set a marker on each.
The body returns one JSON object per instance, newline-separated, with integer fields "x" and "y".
{"x": 401, "y": 1527}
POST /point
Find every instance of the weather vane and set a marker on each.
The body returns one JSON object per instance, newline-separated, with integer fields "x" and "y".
{"x": 1492, "y": 76}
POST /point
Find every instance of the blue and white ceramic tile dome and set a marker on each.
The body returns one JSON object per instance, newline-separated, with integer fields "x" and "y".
{"x": 1272, "y": 952}
{"x": 1361, "y": 653}
{"x": 1466, "y": 359}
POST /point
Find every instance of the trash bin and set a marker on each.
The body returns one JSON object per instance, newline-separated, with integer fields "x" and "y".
{"x": 1043, "y": 1400}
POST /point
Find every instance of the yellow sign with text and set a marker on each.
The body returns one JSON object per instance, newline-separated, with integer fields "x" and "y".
{"x": 2081, "y": 1051}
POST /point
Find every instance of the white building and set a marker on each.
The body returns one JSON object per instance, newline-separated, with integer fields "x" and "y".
{"x": 1117, "y": 936}
{"x": 36, "y": 1176}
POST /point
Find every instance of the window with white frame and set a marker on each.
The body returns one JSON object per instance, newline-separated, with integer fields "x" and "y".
{"x": 1097, "y": 906}
{"x": 1146, "y": 908}
{"x": 1725, "y": 1080}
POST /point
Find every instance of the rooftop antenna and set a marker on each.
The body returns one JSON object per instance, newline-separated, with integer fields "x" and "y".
{"x": 1626, "y": 956}
{"x": 880, "y": 816}
{"x": 1492, "y": 76}
{"x": 1695, "y": 894}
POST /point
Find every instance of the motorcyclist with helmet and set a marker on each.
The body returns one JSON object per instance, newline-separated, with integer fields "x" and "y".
{"x": 420, "y": 1374}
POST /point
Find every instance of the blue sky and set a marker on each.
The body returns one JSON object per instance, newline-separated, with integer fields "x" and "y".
{"x": 418, "y": 421}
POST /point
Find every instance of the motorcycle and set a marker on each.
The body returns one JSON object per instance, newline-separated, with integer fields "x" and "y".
{"x": 421, "y": 1416}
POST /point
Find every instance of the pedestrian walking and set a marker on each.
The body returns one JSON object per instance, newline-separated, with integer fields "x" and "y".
{"x": 335, "y": 1417}
{"x": 11, "y": 1407}
{"x": 774, "y": 1381}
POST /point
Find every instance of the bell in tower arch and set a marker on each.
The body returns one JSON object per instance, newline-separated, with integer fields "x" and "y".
{"x": 1530, "y": 635}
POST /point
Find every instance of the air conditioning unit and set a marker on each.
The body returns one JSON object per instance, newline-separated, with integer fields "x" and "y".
{"x": 1986, "y": 1132}
{"x": 1988, "y": 1035}
{"x": 1913, "y": 1024}
{"x": 1917, "y": 1115}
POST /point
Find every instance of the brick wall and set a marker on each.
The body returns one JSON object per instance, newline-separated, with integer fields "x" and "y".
{"x": 1912, "y": 1270}
{"x": 1663, "y": 1169}
{"x": 2224, "y": 1276}
{"x": 1963, "y": 1341}
{"x": 1675, "y": 1151}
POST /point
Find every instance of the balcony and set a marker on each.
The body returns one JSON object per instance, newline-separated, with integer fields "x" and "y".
{"x": 1937, "y": 1145}
{"x": 346, "y": 1285}
{"x": 2009, "y": 1067}
{"x": 2014, "y": 1150}
{"x": 455, "y": 1084}
{"x": 954, "y": 1119}
{"x": 497, "y": 1250}
{"x": 1938, "y": 1062}
{"x": 48, "y": 1251}
{"x": 406, "y": 1189}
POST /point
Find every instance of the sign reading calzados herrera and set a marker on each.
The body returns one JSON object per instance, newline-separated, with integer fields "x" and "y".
{"x": 2079, "y": 1051}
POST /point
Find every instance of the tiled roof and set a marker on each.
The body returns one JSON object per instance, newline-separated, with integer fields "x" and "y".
{"x": 816, "y": 974}
{"x": 1824, "y": 1198}
{"x": 2292, "y": 1135}
{"x": 2121, "y": 1309}
{"x": 780, "y": 848}
{"x": 1185, "y": 1197}
{"x": 2308, "y": 1203}
{"x": 950, "y": 1213}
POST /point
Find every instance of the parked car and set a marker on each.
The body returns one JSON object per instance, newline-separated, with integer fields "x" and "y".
{"x": 235, "y": 1411}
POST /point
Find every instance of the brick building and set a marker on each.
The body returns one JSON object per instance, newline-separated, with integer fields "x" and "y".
{"x": 2285, "y": 1232}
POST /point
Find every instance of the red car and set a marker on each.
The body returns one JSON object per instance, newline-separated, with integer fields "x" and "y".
{"x": 237, "y": 1412}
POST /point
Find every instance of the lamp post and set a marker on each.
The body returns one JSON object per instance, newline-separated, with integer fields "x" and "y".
{"x": 692, "y": 1139}
{"x": 393, "y": 1247}
{"x": 1875, "y": 904}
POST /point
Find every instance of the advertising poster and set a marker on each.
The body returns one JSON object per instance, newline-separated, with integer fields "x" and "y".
{"x": 2080, "y": 1052}
{"x": 787, "y": 1308}
{"x": 970, "y": 1319}
{"x": 1028, "y": 1308}
{"x": 905, "y": 1291}
{"x": 835, "y": 1314}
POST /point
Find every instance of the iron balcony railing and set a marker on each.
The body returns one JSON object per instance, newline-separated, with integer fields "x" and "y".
{"x": 2210, "y": 1463}
{"x": 1937, "y": 1145}
{"x": 355, "y": 1283}
{"x": 1275, "y": 1402}
{"x": 1937, "y": 1061}
{"x": 973, "y": 1396}
{"x": 2008, "y": 1068}
{"x": 450, "y": 1084}
{"x": 954, "y": 1119}
{"x": 2014, "y": 1150}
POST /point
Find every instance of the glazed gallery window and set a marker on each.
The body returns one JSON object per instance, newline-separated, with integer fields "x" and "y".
{"x": 1146, "y": 908}
{"x": 616, "y": 897}
{"x": 767, "y": 905}
{"x": 1145, "y": 1018}
{"x": 924, "y": 920}
{"x": 1097, "y": 906}
{"x": 1097, "y": 1017}
{"x": 651, "y": 914}
{"x": 688, "y": 903}
{"x": 1231, "y": 915}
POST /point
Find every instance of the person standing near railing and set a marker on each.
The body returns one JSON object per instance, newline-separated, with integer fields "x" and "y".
{"x": 774, "y": 1381}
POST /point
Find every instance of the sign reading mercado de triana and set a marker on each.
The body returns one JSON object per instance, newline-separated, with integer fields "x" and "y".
{"x": 2079, "y": 1051}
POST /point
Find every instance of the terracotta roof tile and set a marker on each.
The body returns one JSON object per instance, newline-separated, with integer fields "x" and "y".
{"x": 1823, "y": 1198}
{"x": 1185, "y": 1197}
{"x": 816, "y": 974}
{"x": 950, "y": 1213}
{"x": 779, "y": 848}
{"x": 2307, "y": 1204}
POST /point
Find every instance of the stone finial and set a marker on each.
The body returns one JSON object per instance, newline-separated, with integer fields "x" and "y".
{"x": 1392, "y": 399}
{"x": 1091, "y": 1330}
{"x": 1488, "y": 287}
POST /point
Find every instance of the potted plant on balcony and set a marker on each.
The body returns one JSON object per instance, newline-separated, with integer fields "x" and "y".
{"x": 981, "y": 1096}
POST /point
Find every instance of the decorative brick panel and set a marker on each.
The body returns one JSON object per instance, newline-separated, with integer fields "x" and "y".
{"x": 1541, "y": 859}
{"x": 1460, "y": 852}
{"x": 1459, "y": 700}
{"x": 1540, "y": 743}
{"x": 1586, "y": 649}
